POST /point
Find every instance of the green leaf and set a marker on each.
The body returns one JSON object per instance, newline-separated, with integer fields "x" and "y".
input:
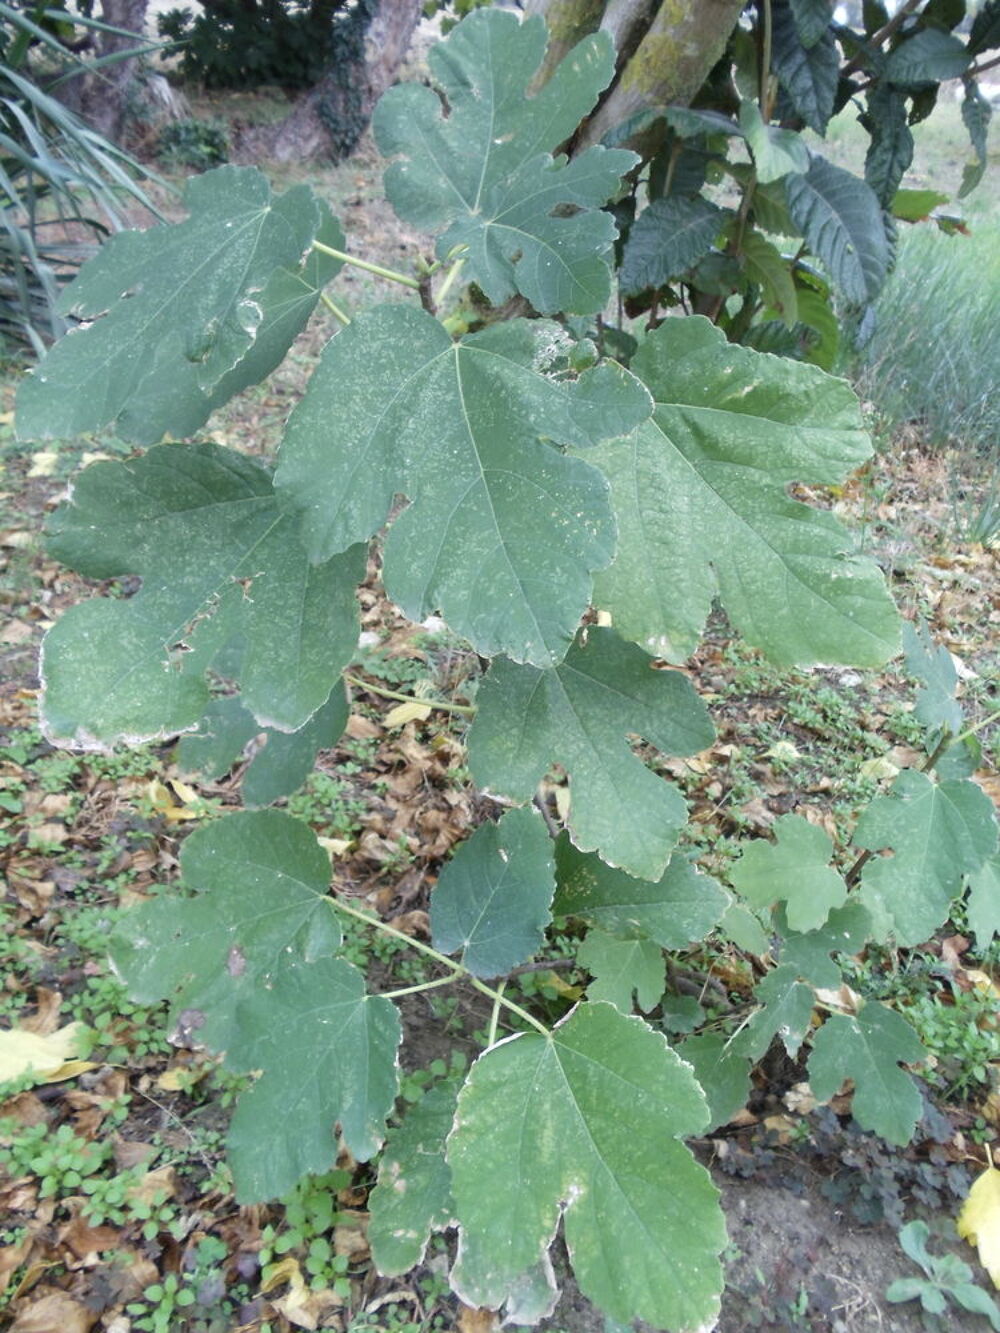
{"x": 724, "y": 1075}
{"x": 766, "y": 266}
{"x": 932, "y": 663}
{"x": 247, "y": 967}
{"x": 812, "y": 18}
{"x": 775, "y": 152}
{"x": 984, "y": 902}
{"x": 280, "y": 766}
{"x": 847, "y": 930}
{"x": 939, "y": 833}
{"x": 808, "y": 73}
{"x": 583, "y": 1122}
{"x": 977, "y": 112}
{"x": 666, "y": 239}
{"x": 478, "y": 164}
{"x": 916, "y": 205}
{"x": 869, "y": 1049}
{"x": 491, "y": 902}
{"x": 890, "y": 152}
{"x": 577, "y": 714}
{"x": 817, "y": 313}
{"x": 218, "y": 557}
{"x": 786, "y": 1007}
{"x": 741, "y": 926}
{"x": 985, "y": 31}
{"x": 327, "y": 1054}
{"x": 795, "y": 870}
{"x": 700, "y": 496}
{"x": 929, "y": 56}
{"x": 503, "y": 530}
{"x": 681, "y": 907}
{"x": 620, "y": 968}
{"x": 261, "y": 906}
{"x": 413, "y": 1195}
{"x": 841, "y": 219}
{"x": 176, "y": 309}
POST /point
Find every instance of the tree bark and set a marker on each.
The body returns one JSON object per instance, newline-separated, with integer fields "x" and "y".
{"x": 329, "y": 119}
{"x": 101, "y": 97}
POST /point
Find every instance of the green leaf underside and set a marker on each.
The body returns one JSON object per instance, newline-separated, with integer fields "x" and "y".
{"x": 491, "y": 902}
{"x": 869, "y": 1048}
{"x": 482, "y": 171}
{"x": 199, "y": 292}
{"x": 621, "y": 968}
{"x": 280, "y": 766}
{"x": 577, "y": 715}
{"x": 413, "y": 1194}
{"x": 776, "y": 152}
{"x": 666, "y": 239}
{"x": 684, "y": 905}
{"x": 583, "y": 1122}
{"x": 248, "y": 969}
{"x": 218, "y": 557}
{"x": 699, "y": 493}
{"x": 841, "y": 219}
{"x": 503, "y": 530}
{"x": 939, "y": 832}
{"x": 795, "y": 870}
{"x": 984, "y": 902}
{"x": 932, "y": 664}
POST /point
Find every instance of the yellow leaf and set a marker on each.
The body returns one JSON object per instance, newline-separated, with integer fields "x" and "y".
{"x": 184, "y": 793}
{"x": 979, "y": 1221}
{"x": 335, "y": 846}
{"x": 43, "y": 464}
{"x": 878, "y": 768}
{"x": 408, "y": 712}
{"x": 24, "y": 1052}
{"x": 783, "y": 750}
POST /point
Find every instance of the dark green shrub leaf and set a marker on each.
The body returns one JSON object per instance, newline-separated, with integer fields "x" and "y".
{"x": 809, "y": 74}
{"x": 939, "y": 833}
{"x": 483, "y": 172}
{"x": 667, "y": 238}
{"x": 932, "y": 663}
{"x": 503, "y": 530}
{"x": 786, "y": 1006}
{"x": 795, "y": 870}
{"x": 812, "y": 18}
{"x": 869, "y": 1048}
{"x": 583, "y": 1122}
{"x": 491, "y": 902}
{"x": 203, "y": 528}
{"x": 578, "y": 714}
{"x": 413, "y": 1194}
{"x": 985, "y": 31}
{"x": 929, "y": 56}
{"x": 723, "y": 1073}
{"x": 840, "y": 218}
{"x": 977, "y": 111}
{"x": 891, "y": 149}
{"x": 984, "y": 902}
{"x": 699, "y": 493}
{"x": 681, "y": 907}
{"x": 175, "y": 311}
{"x": 767, "y": 266}
{"x": 846, "y": 930}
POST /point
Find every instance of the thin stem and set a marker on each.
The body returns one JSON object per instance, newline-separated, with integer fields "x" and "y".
{"x": 466, "y": 710}
{"x": 491, "y": 1035}
{"x": 978, "y": 726}
{"x": 456, "y": 969}
{"x": 449, "y": 281}
{"x": 883, "y": 35}
{"x": 764, "y": 82}
{"x": 415, "y": 990}
{"x": 389, "y": 274}
{"x": 335, "y": 309}
{"x": 509, "y": 1004}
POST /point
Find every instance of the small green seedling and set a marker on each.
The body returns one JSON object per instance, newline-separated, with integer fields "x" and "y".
{"x": 947, "y": 1278}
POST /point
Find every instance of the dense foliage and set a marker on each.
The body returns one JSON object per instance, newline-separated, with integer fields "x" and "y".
{"x": 579, "y": 494}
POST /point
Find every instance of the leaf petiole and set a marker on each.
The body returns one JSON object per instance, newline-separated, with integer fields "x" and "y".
{"x": 335, "y": 309}
{"x": 389, "y": 274}
{"x": 465, "y": 709}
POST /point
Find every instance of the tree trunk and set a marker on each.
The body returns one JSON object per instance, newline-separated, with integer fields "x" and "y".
{"x": 665, "y": 50}
{"x": 329, "y": 120}
{"x": 101, "y": 97}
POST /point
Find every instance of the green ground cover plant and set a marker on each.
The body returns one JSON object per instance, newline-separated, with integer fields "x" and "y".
{"x": 572, "y": 516}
